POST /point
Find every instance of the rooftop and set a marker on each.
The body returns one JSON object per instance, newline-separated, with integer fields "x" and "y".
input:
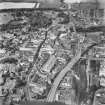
{"x": 11, "y": 5}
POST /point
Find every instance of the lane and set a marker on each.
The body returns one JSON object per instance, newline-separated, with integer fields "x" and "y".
{"x": 52, "y": 92}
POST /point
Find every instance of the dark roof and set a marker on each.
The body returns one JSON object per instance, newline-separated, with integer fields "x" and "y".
{"x": 10, "y": 60}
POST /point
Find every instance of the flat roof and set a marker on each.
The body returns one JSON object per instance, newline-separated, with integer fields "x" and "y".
{"x": 13, "y": 5}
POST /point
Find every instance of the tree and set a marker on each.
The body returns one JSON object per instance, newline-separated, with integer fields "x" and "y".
{"x": 68, "y": 47}
{"x": 75, "y": 59}
{"x": 11, "y": 44}
{"x": 61, "y": 75}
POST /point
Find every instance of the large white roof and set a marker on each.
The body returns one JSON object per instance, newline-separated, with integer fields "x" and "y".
{"x": 11, "y": 5}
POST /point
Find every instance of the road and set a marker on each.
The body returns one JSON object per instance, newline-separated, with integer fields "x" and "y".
{"x": 60, "y": 76}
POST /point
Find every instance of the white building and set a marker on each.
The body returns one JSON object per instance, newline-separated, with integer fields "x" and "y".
{"x": 18, "y": 5}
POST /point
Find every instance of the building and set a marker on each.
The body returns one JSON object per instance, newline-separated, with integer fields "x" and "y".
{"x": 12, "y": 5}
{"x": 92, "y": 11}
